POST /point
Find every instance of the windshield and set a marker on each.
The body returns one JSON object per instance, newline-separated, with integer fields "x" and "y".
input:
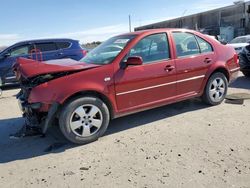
{"x": 108, "y": 50}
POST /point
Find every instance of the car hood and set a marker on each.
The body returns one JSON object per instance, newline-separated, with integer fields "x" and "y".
{"x": 28, "y": 68}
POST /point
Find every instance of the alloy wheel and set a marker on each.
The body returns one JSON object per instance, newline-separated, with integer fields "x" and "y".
{"x": 86, "y": 120}
{"x": 217, "y": 89}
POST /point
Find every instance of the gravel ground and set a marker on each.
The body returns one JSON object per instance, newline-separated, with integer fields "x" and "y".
{"x": 187, "y": 144}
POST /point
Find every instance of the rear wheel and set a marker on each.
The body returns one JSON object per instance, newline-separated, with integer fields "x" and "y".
{"x": 84, "y": 120}
{"x": 216, "y": 89}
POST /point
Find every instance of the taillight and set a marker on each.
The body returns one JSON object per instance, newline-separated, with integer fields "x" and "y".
{"x": 236, "y": 59}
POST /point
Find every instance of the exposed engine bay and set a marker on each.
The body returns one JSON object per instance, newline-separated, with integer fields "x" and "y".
{"x": 30, "y": 74}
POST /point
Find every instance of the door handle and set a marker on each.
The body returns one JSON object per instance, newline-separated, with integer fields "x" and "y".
{"x": 60, "y": 53}
{"x": 207, "y": 60}
{"x": 169, "y": 68}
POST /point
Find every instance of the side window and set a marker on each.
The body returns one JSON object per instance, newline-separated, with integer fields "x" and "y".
{"x": 45, "y": 47}
{"x": 152, "y": 48}
{"x": 63, "y": 45}
{"x": 205, "y": 47}
{"x": 19, "y": 51}
{"x": 186, "y": 44}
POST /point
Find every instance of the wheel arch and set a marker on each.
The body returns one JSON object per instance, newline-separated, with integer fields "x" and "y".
{"x": 92, "y": 93}
{"x": 206, "y": 90}
{"x": 221, "y": 69}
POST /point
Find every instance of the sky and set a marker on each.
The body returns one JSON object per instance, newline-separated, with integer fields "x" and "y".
{"x": 88, "y": 20}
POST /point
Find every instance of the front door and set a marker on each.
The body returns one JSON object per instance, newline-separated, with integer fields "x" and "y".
{"x": 7, "y": 74}
{"x": 153, "y": 81}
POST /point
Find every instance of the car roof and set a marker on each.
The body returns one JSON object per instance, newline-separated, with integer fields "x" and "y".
{"x": 47, "y": 40}
{"x": 149, "y": 31}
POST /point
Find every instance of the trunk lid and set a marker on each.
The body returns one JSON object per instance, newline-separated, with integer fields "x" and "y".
{"x": 28, "y": 68}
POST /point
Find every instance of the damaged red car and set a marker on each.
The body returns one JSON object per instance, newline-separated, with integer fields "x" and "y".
{"x": 126, "y": 74}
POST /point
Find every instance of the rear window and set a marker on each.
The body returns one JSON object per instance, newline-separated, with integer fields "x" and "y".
{"x": 186, "y": 44}
{"x": 63, "y": 45}
{"x": 205, "y": 47}
{"x": 45, "y": 47}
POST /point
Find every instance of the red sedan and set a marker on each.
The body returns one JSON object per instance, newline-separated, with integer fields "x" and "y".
{"x": 126, "y": 74}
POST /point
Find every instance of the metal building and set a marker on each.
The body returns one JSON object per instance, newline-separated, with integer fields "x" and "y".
{"x": 226, "y": 22}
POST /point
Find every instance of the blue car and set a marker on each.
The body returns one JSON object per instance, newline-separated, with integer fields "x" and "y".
{"x": 46, "y": 49}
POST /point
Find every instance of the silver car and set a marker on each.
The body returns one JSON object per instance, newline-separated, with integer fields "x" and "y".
{"x": 239, "y": 43}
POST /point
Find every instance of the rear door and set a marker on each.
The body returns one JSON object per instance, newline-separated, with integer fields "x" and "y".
{"x": 194, "y": 55}
{"x": 150, "y": 83}
{"x": 48, "y": 49}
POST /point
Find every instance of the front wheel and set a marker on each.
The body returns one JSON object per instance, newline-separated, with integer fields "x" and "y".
{"x": 216, "y": 89}
{"x": 84, "y": 120}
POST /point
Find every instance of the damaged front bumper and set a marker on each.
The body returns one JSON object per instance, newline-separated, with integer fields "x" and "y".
{"x": 25, "y": 108}
{"x": 33, "y": 118}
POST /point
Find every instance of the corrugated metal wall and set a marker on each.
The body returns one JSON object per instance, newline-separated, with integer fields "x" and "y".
{"x": 210, "y": 22}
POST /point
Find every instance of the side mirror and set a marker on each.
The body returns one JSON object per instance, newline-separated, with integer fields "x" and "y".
{"x": 134, "y": 60}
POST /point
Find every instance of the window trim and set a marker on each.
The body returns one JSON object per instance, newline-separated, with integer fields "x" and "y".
{"x": 151, "y": 63}
{"x": 155, "y": 61}
{"x": 195, "y": 36}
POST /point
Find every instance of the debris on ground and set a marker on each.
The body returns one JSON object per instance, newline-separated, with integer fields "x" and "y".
{"x": 84, "y": 168}
{"x": 234, "y": 101}
{"x": 237, "y": 98}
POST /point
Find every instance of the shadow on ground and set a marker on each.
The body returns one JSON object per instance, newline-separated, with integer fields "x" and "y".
{"x": 54, "y": 142}
{"x": 6, "y": 88}
{"x": 10, "y": 86}
{"x": 241, "y": 82}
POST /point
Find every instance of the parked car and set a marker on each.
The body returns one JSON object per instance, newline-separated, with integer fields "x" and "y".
{"x": 239, "y": 43}
{"x": 244, "y": 57}
{"x": 126, "y": 74}
{"x": 48, "y": 49}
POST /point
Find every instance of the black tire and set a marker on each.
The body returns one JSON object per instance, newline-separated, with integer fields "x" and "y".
{"x": 1, "y": 82}
{"x": 67, "y": 113}
{"x": 246, "y": 73}
{"x": 206, "y": 97}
